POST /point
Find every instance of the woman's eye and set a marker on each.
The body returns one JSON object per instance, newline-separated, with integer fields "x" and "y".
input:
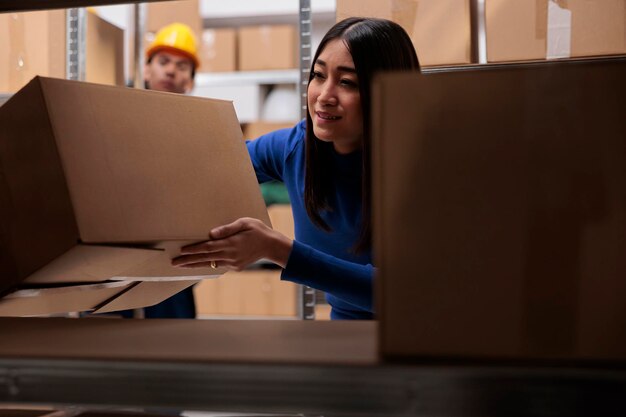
{"x": 317, "y": 74}
{"x": 348, "y": 82}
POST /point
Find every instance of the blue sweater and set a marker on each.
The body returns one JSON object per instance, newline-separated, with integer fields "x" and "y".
{"x": 320, "y": 259}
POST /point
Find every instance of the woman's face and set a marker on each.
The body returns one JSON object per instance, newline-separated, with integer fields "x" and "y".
{"x": 334, "y": 99}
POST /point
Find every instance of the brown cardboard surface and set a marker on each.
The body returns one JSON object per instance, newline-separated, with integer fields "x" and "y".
{"x": 44, "y": 301}
{"x": 500, "y": 212}
{"x": 31, "y": 44}
{"x": 122, "y": 190}
{"x": 219, "y": 50}
{"x": 517, "y": 30}
{"x": 267, "y": 47}
{"x": 104, "y": 50}
{"x": 440, "y": 29}
{"x": 247, "y": 293}
{"x": 143, "y": 294}
{"x": 598, "y": 27}
{"x": 118, "y": 165}
{"x": 255, "y": 129}
{"x": 160, "y": 14}
{"x": 34, "y": 44}
{"x": 92, "y": 263}
{"x": 282, "y": 219}
{"x": 35, "y": 210}
{"x": 205, "y": 341}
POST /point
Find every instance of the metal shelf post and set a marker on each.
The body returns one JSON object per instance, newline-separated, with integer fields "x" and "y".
{"x": 306, "y": 295}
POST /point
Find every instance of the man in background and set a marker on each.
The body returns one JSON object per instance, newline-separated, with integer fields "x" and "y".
{"x": 172, "y": 60}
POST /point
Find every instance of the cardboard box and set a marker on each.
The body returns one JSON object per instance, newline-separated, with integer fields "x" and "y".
{"x": 101, "y": 183}
{"x": 163, "y": 13}
{"x": 540, "y": 29}
{"x": 219, "y": 50}
{"x": 104, "y": 52}
{"x": 501, "y": 235}
{"x": 34, "y": 44}
{"x": 31, "y": 44}
{"x": 253, "y": 130}
{"x": 440, "y": 29}
{"x": 267, "y": 47}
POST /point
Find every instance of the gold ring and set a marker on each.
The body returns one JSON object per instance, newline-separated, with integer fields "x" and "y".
{"x": 213, "y": 265}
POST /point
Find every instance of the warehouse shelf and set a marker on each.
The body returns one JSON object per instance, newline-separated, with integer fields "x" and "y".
{"x": 266, "y": 9}
{"x": 206, "y": 79}
{"x": 29, "y": 5}
{"x": 314, "y": 368}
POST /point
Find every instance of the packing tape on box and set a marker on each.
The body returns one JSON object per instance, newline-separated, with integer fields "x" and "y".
{"x": 559, "y": 36}
{"x": 553, "y": 23}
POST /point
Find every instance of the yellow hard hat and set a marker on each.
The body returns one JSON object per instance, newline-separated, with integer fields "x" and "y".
{"x": 177, "y": 38}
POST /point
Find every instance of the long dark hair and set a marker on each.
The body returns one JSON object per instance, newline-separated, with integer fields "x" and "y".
{"x": 375, "y": 45}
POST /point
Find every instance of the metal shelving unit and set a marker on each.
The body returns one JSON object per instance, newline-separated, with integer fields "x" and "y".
{"x": 306, "y": 295}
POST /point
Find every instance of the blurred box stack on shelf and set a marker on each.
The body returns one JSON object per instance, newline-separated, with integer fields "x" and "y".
{"x": 535, "y": 30}
{"x": 440, "y": 29}
{"x": 34, "y": 43}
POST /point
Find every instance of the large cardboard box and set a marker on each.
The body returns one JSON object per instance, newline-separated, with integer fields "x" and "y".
{"x": 540, "y": 29}
{"x": 440, "y": 29}
{"x": 102, "y": 183}
{"x": 219, "y": 50}
{"x": 267, "y": 47}
{"x": 34, "y": 44}
{"x": 501, "y": 234}
{"x": 160, "y": 14}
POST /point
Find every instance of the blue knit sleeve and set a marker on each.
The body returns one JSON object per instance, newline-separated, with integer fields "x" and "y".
{"x": 349, "y": 281}
{"x": 269, "y": 152}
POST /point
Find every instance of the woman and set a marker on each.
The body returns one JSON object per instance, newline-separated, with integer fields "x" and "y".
{"x": 325, "y": 164}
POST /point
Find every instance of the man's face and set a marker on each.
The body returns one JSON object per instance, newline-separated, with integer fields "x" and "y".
{"x": 169, "y": 72}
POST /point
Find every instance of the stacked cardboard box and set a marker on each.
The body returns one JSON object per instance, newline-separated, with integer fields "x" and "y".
{"x": 34, "y": 44}
{"x": 267, "y": 47}
{"x": 100, "y": 187}
{"x": 160, "y": 14}
{"x": 440, "y": 29}
{"x": 218, "y": 52}
{"x": 530, "y": 30}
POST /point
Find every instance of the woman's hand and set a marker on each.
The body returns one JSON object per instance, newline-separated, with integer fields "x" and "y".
{"x": 236, "y": 245}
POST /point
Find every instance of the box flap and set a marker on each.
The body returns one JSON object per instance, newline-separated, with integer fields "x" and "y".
{"x": 144, "y": 294}
{"x": 36, "y": 217}
{"x": 45, "y": 301}
{"x": 92, "y": 263}
{"x": 145, "y": 165}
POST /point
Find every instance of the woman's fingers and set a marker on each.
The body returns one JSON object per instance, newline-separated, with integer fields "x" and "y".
{"x": 203, "y": 247}
{"x": 230, "y": 229}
